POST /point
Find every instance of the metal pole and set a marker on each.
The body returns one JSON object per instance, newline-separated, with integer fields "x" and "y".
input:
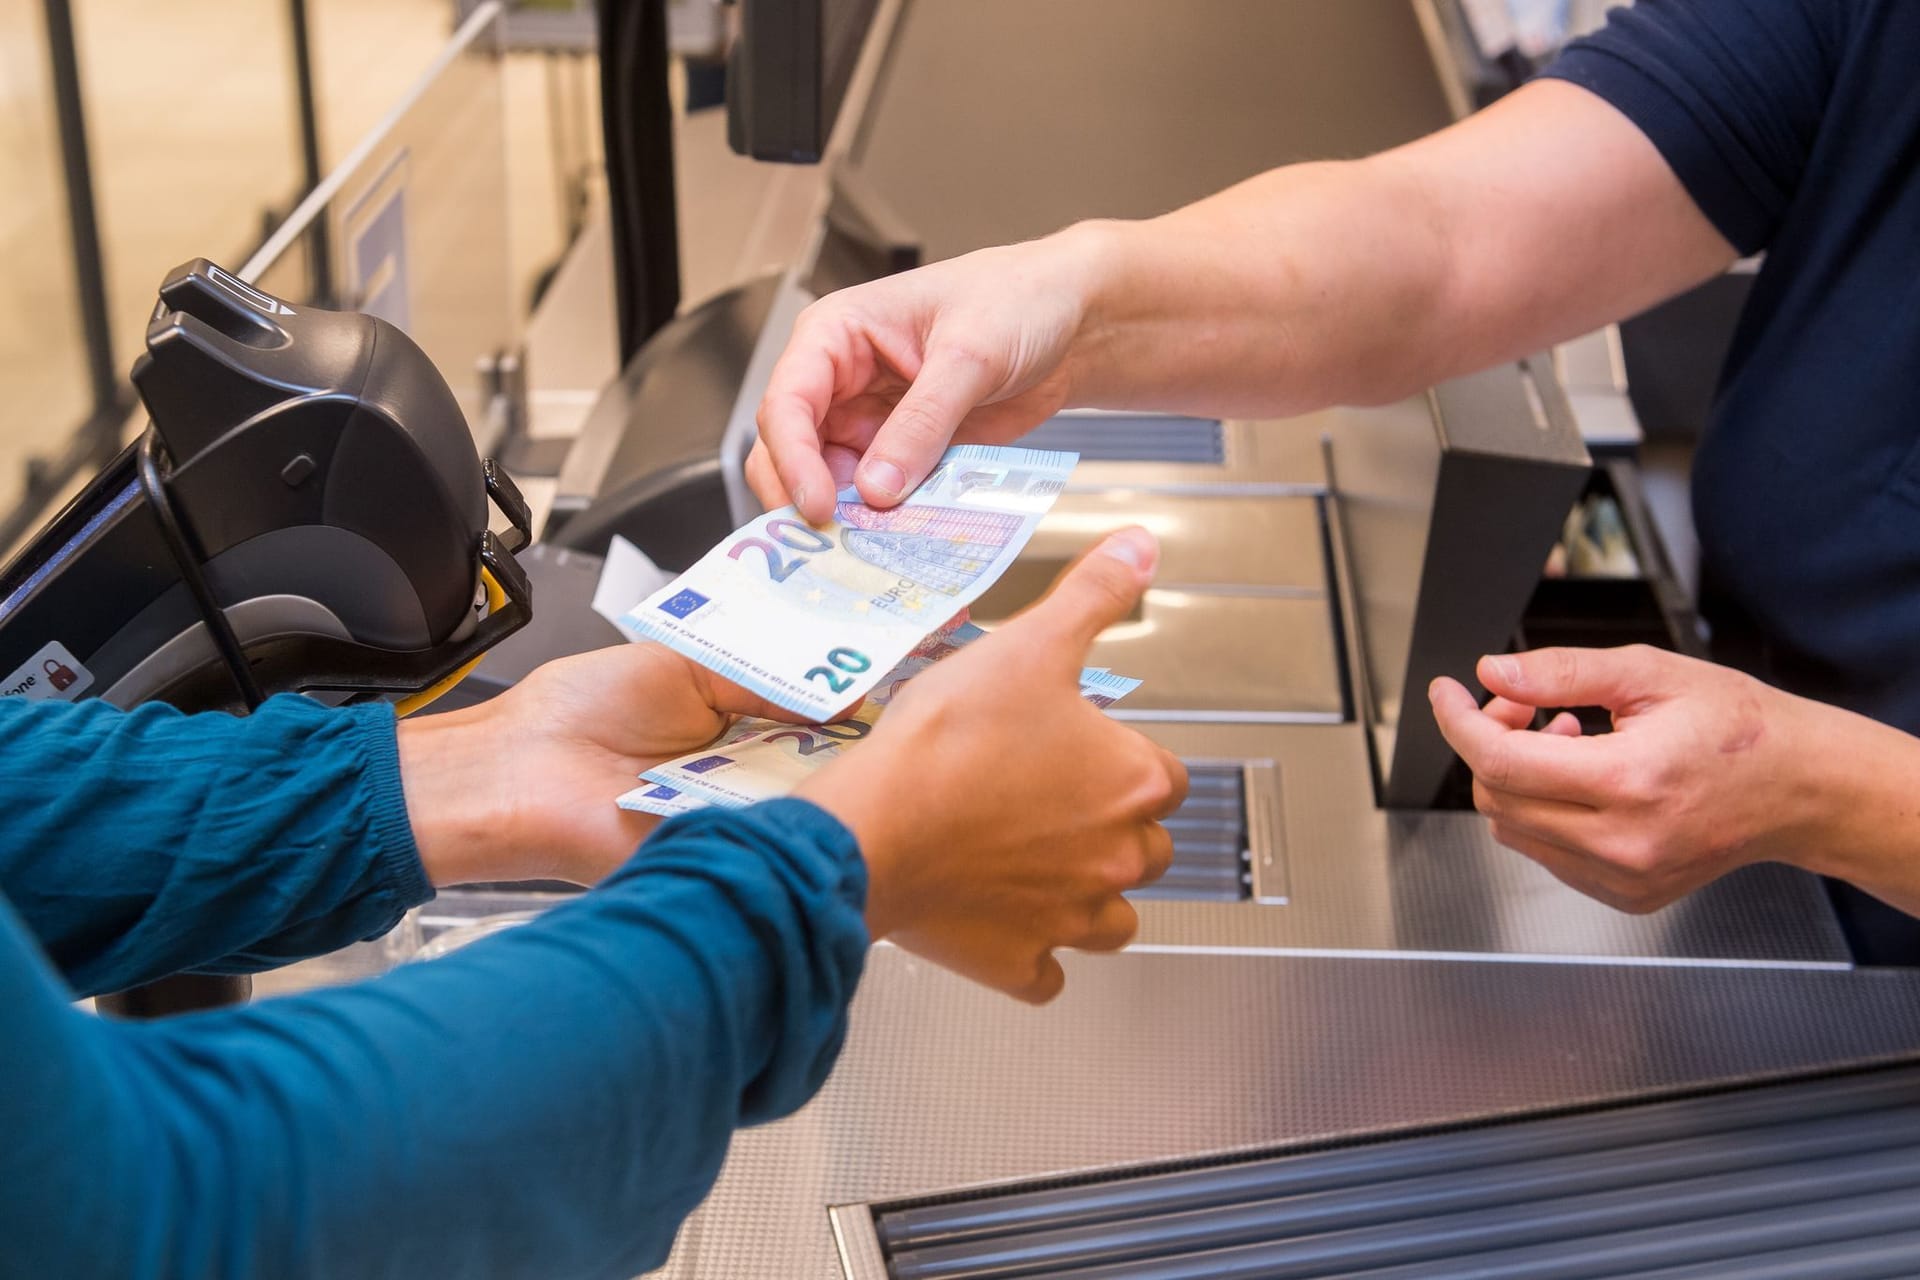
{"x": 636, "y": 115}
{"x": 319, "y": 257}
{"x": 83, "y": 224}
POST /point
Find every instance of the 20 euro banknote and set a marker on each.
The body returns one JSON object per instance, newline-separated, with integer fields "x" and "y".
{"x": 813, "y": 618}
{"x": 773, "y": 759}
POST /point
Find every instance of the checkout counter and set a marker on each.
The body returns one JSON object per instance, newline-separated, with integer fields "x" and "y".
{"x": 1354, "y": 1036}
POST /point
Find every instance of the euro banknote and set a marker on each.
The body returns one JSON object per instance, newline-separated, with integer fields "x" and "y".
{"x": 812, "y": 619}
{"x": 770, "y": 759}
{"x": 665, "y": 799}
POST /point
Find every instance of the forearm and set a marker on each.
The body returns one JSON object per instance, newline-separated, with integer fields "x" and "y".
{"x": 144, "y": 843}
{"x": 1301, "y": 287}
{"x": 1366, "y": 281}
{"x": 1856, "y": 797}
{"x": 551, "y": 1101}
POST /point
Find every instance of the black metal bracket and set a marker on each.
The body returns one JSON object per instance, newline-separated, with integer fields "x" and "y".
{"x": 506, "y": 495}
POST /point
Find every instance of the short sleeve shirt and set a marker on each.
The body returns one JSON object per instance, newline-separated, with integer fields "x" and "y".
{"x": 1795, "y": 126}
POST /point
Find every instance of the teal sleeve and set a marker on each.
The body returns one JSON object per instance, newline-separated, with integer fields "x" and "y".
{"x": 148, "y": 842}
{"x": 548, "y": 1102}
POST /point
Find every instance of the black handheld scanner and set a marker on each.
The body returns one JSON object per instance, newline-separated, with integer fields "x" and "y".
{"x": 306, "y": 512}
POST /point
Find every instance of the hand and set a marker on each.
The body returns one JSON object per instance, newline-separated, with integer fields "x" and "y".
{"x": 972, "y": 349}
{"x": 521, "y": 787}
{"x": 1706, "y": 769}
{"x": 1001, "y": 815}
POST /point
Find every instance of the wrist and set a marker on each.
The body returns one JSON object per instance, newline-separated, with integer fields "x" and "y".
{"x": 1094, "y": 257}
{"x": 1857, "y": 779}
{"x": 859, "y": 806}
{"x": 465, "y": 821}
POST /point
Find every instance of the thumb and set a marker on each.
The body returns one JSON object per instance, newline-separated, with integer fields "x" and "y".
{"x": 1610, "y": 678}
{"x": 1096, "y": 591}
{"x": 950, "y": 384}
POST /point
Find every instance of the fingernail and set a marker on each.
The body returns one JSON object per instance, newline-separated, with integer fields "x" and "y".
{"x": 800, "y": 498}
{"x": 1508, "y": 668}
{"x": 1134, "y": 547}
{"x": 889, "y": 480}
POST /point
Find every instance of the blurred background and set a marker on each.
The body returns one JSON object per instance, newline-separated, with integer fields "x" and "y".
{"x": 134, "y": 136}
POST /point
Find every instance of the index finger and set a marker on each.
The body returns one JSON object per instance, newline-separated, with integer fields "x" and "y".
{"x": 1548, "y": 766}
{"x": 799, "y": 393}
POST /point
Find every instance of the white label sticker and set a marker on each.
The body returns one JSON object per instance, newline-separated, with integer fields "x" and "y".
{"x": 51, "y": 673}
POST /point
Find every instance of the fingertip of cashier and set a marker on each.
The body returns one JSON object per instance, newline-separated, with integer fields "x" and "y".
{"x": 884, "y": 478}
{"x": 1503, "y": 668}
{"x": 1441, "y": 691}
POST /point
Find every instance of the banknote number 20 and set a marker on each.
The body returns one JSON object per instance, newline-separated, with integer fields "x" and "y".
{"x": 790, "y": 534}
{"x": 850, "y": 661}
{"x": 807, "y": 744}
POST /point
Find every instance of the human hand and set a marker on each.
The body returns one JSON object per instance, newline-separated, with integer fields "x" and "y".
{"x": 878, "y": 378}
{"x": 1000, "y": 814}
{"x": 521, "y": 787}
{"x": 1705, "y": 770}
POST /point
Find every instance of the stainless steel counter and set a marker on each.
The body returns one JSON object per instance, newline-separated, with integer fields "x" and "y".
{"x": 1360, "y": 879}
{"x": 1154, "y": 1057}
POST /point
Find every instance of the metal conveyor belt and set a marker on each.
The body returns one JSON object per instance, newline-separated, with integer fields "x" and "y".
{"x": 1817, "y": 1178}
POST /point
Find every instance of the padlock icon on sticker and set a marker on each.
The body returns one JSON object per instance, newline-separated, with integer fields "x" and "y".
{"x": 59, "y": 675}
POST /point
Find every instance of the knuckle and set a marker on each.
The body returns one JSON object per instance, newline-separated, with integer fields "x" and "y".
{"x": 1647, "y": 783}
{"x": 1496, "y": 768}
{"x": 1155, "y": 790}
{"x": 1178, "y": 780}
{"x": 1043, "y": 979}
{"x": 1159, "y": 853}
{"x": 1628, "y": 785}
{"x": 1633, "y": 852}
{"x": 1123, "y": 869}
{"x": 1620, "y": 780}
{"x": 815, "y": 314}
{"x": 1638, "y": 899}
{"x": 1611, "y": 898}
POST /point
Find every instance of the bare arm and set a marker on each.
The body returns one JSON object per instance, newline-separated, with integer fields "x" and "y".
{"x": 1536, "y": 220}
{"x": 1342, "y": 282}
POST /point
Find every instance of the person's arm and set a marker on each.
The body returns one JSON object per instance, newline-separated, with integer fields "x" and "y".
{"x": 548, "y": 1102}
{"x": 1637, "y": 167}
{"x": 1341, "y": 282}
{"x": 551, "y": 1101}
{"x": 1707, "y": 770}
{"x": 1362, "y": 282}
{"x": 143, "y": 843}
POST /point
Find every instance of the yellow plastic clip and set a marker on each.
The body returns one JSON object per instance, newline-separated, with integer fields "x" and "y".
{"x": 496, "y": 599}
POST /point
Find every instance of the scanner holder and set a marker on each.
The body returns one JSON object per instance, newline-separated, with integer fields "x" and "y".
{"x": 305, "y": 512}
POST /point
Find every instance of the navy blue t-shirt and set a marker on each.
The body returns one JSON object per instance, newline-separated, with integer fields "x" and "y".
{"x": 1795, "y": 125}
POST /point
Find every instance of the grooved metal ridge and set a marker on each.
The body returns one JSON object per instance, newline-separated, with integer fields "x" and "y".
{"x": 1817, "y": 1178}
